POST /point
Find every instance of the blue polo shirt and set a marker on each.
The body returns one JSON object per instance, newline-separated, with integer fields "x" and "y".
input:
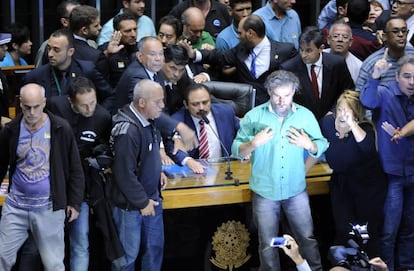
{"x": 287, "y": 29}
{"x": 228, "y": 38}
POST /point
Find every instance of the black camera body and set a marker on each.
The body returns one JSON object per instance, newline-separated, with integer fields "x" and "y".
{"x": 352, "y": 257}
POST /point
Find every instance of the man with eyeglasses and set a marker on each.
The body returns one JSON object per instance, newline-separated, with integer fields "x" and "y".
{"x": 392, "y": 101}
{"x": 395, "y": 40}
{"x": 405, "y": 10}
{"x": 399, "y": 8}
{"x": 339, "y": 40}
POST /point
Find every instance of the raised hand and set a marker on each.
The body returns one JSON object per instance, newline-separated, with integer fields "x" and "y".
{"x": 114, "y": 45}
{"x": 381, "y": 66}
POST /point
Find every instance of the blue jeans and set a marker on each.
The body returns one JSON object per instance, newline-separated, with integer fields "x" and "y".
{"x": 141, "y": 232}
{"x": 267, "y": 216}
{"x": 398, "y": 233}
{"x": 47, "y": 228}
{"x": 78, "y": 240}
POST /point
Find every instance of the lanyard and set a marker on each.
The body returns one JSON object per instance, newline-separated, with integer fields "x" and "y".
{"x": 59, "y": 89}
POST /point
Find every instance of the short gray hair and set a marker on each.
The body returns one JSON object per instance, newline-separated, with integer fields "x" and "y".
{"x": 143, "y": 88}
{"x": 144, "y": 40}
{"x": 281, "y": 78}
{"x": 406, "y": 59}
{"x": 25, "y": 87}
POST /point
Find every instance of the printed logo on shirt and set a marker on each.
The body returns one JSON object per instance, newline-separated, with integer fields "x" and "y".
{"x": 88, "y": 136}
{"x": 216, "y": 22}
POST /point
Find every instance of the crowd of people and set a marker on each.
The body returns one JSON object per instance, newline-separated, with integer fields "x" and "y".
{"x": 339, "y": 91}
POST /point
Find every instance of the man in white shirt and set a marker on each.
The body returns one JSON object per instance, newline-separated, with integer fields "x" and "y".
{"x": 339, "y": 40}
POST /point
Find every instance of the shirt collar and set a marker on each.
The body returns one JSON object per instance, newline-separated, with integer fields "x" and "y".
{"x": 150, "y": 74}
{"x": 318, "y": 63}
{"x": 139, "y": 116}
{"x": 79, "y": 38}
{"x": 209, "y": 116}
{"x": 259, "y": 47}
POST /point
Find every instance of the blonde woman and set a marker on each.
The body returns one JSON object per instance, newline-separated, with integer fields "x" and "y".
{"x": 358, "y": 184}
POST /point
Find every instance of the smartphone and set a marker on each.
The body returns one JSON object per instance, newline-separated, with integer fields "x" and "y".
{"x": 278, "y": 242}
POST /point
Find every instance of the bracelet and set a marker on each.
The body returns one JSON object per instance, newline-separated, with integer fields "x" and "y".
{"x": 397, "y": 135}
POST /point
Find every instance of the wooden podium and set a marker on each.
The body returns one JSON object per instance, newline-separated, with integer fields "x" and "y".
{"x": 214, "y": 189}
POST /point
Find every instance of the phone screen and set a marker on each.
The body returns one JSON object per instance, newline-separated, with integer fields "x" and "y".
{"x": 277, "y": 242}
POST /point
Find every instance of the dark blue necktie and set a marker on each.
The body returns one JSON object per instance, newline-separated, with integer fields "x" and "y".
{"x": 253, "y": 64}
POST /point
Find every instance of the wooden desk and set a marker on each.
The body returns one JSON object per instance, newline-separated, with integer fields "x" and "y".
{"x": 12, "y": 70}
{"x": 215, "y": 190}
{"x": 3, "y": 197}
{"x": 14, "y": 76}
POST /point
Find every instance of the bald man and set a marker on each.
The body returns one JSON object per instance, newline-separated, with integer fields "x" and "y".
{"x": 193, "y": 29}
{"x": 137, "y": 177}
{"x": 46, "y": 181}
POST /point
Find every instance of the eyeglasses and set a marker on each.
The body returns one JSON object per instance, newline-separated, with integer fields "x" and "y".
{"x": 400, "y": 3}
{"x": 337, "y": 37}
{"x": 397, "y": 31}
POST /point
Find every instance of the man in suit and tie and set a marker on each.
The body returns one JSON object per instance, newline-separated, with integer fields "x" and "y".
{"x": 147, "y": 64}
{"x": 255, "y": 56}
{"x": 222, "y": 126}
{"x": 323, "y": 76}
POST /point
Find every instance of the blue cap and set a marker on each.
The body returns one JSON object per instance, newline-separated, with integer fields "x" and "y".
{"x": 5, "y": 38}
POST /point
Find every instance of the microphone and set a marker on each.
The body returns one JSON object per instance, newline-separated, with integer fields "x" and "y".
{"x": 203, "y": 115}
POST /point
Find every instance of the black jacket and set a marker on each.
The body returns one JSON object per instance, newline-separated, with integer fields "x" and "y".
{"x": 67, "y": 182}
{"x": 137, "y": 162}
{"x": 279, "y": 52}
{"x": 336, "y": 78}
{"x": 44, "y": 77}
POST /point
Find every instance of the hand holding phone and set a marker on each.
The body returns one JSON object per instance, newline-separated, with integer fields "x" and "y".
{"x": 278, "y": 242}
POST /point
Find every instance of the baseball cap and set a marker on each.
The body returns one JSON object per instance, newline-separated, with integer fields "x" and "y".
{"x": 5, "y": 38}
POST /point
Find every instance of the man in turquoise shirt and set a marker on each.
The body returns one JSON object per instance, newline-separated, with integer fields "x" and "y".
{"x": 277, "y": 134}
